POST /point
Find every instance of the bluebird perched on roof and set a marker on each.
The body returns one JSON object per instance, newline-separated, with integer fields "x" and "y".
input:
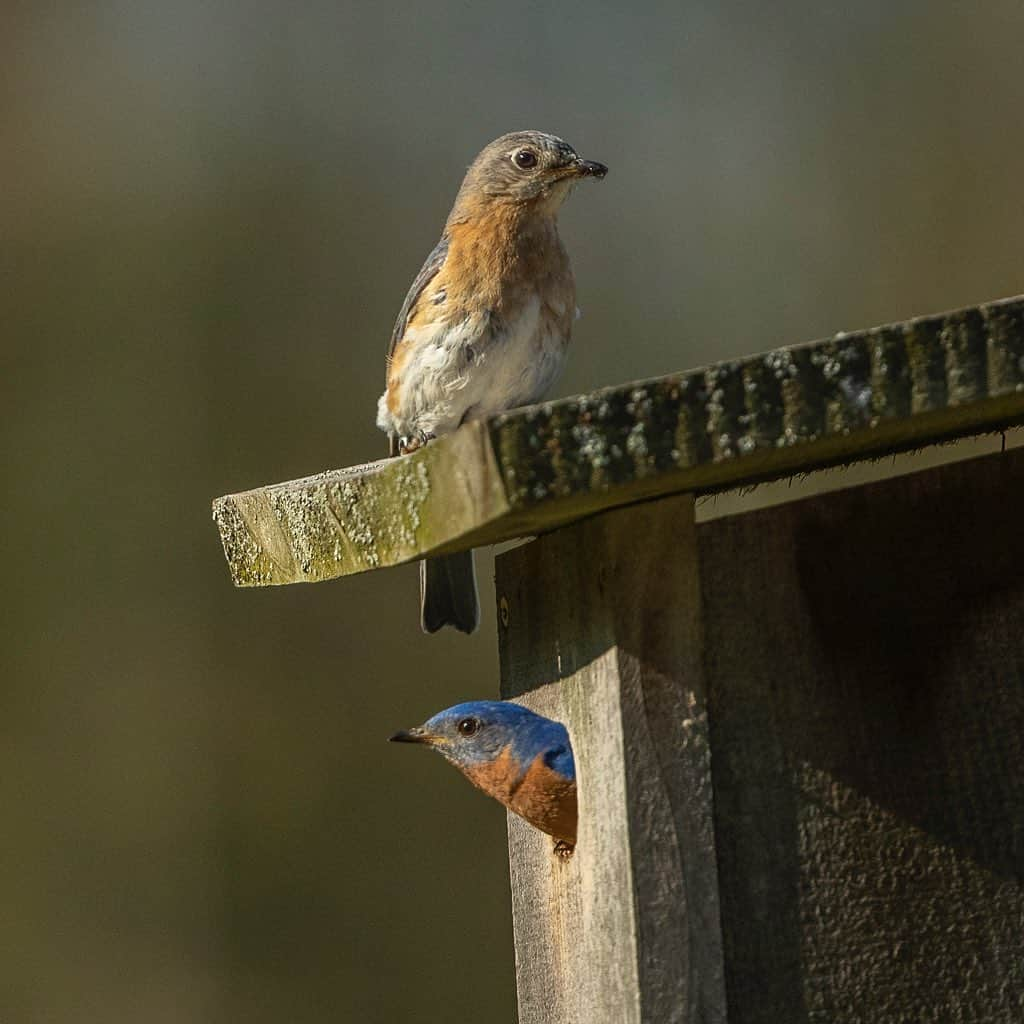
{"x": 486, "y": 322}
{"x": 520, "y": 758}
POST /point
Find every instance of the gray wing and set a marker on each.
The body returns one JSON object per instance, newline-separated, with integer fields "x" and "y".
{"x": 435, "y": 261}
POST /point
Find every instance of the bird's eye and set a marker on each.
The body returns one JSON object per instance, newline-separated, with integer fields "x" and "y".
{"x": 468, "y": 726}
{"x": 524, "y": 159}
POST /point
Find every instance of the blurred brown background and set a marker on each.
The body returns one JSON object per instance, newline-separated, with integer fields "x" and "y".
{"x": 209, "y": 216}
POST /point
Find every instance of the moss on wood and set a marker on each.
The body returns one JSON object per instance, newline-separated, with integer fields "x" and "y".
{"x": 855, "y": 395}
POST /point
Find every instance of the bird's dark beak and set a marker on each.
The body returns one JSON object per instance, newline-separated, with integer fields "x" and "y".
{"x": 590, "y": 169}
{"x": 414, "y": 735}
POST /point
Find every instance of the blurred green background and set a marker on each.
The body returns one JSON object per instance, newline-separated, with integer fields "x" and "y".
{"x": 209, "y": 215}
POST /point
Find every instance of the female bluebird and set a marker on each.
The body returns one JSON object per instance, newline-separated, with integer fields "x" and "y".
{"x": 486, "y": 323}
{"x": 518, "y": 757}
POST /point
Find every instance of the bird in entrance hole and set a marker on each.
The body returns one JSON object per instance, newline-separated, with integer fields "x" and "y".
{"x": 486, "y": 323}
{"x": 520, "y": 758}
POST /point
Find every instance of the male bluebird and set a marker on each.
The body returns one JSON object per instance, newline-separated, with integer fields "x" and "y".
{"x": 486, "y": 322}
{"x": 520, "y": 758}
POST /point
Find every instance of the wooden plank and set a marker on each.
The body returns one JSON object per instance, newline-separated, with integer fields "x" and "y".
{"x": 787, "y": 411}
{"x": 864, "y": 663}
{"x": 366, "y": 517}
{"x": 600, "y": 628}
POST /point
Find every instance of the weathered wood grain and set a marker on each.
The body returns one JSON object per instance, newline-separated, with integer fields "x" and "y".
{"x": 864, "y": 662}
{"x": 791, "y": 410}
{"x": 799, "y": 734}
{"x": 600, "y": 628}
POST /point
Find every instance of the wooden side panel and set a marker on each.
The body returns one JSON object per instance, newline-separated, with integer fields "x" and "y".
{"x": 864, "y": 653}
{"x": 628, "y": 929}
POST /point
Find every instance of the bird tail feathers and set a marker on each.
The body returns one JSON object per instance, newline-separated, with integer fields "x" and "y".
{"x": 448, "y": 594}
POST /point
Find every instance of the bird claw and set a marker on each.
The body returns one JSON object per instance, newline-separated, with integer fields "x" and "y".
{"x": 407, "y": 445}
{"x": 563, "y": 850}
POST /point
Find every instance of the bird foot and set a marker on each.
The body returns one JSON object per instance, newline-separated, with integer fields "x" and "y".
{"x": 563, "y": 850}
{"x": 407, "y": 445}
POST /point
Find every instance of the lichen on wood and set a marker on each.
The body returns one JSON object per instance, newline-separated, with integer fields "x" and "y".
{"x": 856, "y": 395}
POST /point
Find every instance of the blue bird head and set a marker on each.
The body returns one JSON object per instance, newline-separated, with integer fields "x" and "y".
{"x": 518, "y": 757}
{"x": 478, "y": 732}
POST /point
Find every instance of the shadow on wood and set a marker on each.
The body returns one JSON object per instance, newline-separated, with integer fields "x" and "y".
{"x": 850, "y": 807}
{"x": 867, "y": 716}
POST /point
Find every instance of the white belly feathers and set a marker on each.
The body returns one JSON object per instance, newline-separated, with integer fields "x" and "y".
{"x": 473, "y": 369}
